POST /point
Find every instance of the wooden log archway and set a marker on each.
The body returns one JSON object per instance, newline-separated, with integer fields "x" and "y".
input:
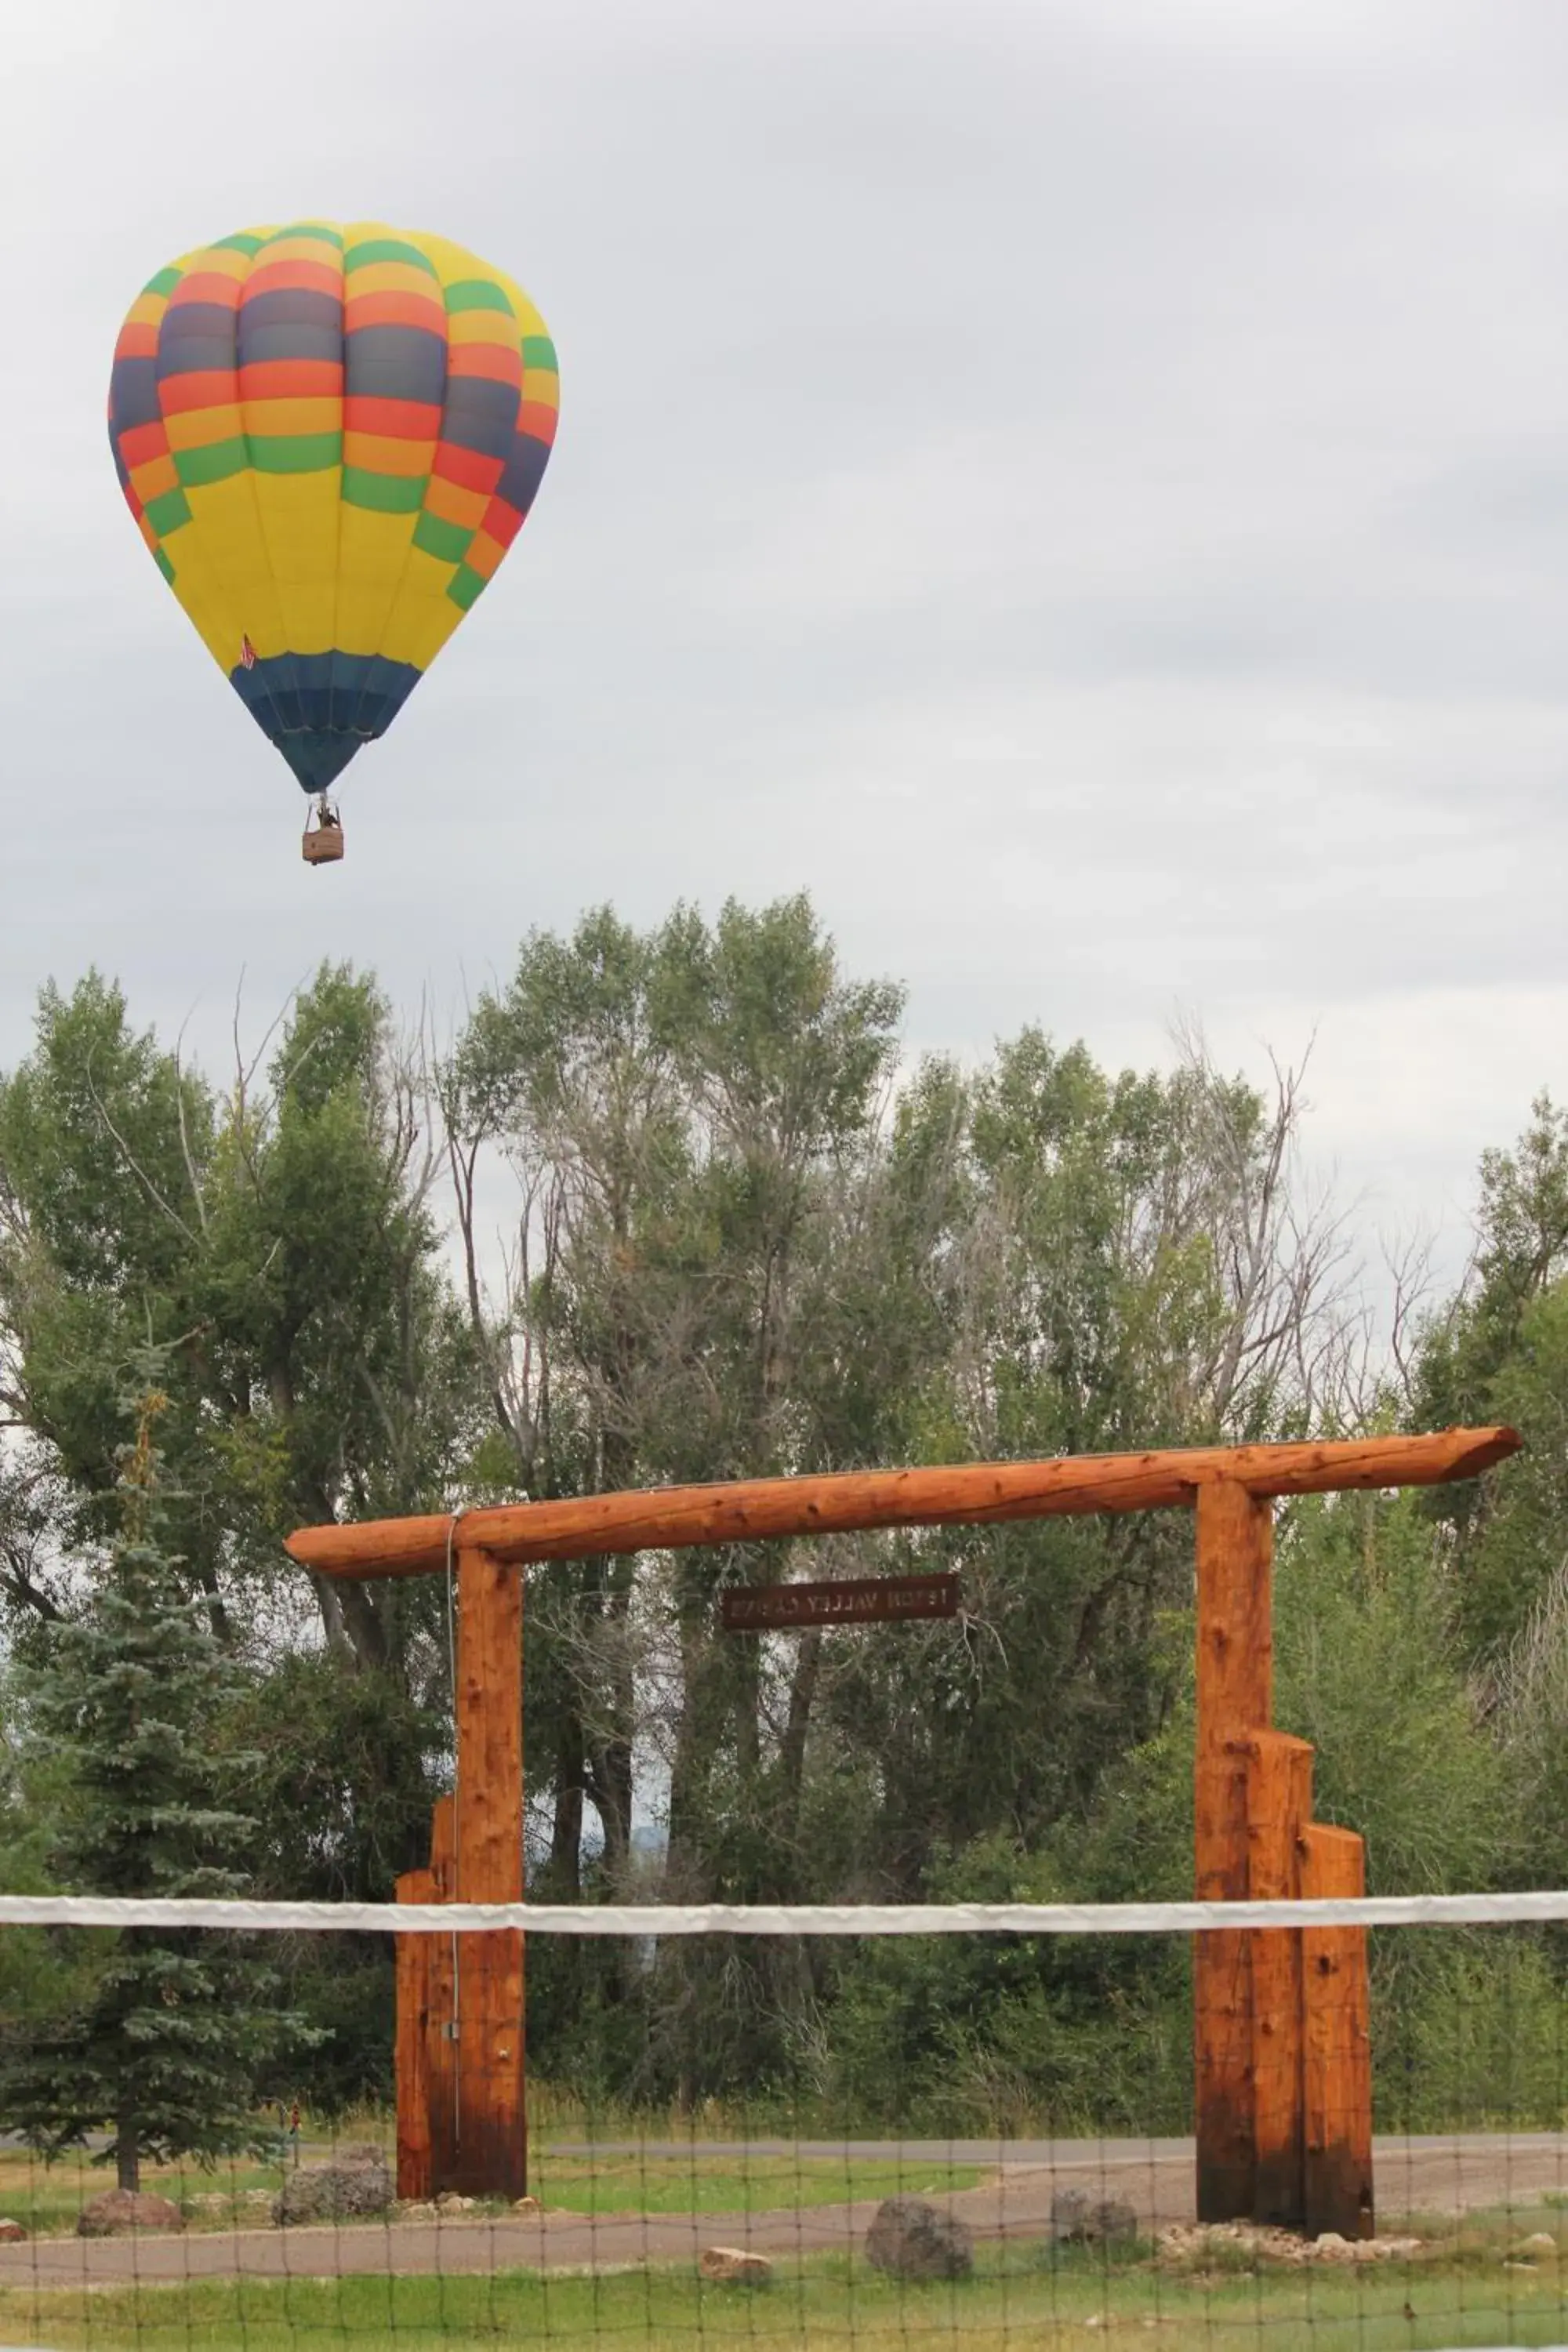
{"x": 1281, "y": 2040}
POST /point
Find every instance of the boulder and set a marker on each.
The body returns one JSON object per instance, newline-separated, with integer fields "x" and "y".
{"x": 11, "y": 2233}
{"x": 417, "y": 2209}
{"x": 527, "y": 2206}
{"x": 118, "y": 2209}
{"x": 449, "y": 2201}
{"x": 732, "y": 2266}
{"x": 1080, "y": 2219}
{"x": 335, "y": 2192}
{"x": 1539, "y": 2247}
{"x": 911, "y": 2240}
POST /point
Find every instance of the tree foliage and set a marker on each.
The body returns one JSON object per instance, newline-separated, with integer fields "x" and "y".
{"x": 742, "y": 1236}
{"x": 168, "y": 2037}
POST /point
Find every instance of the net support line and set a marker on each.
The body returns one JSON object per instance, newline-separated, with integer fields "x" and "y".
{"x": 655, "y": 1919}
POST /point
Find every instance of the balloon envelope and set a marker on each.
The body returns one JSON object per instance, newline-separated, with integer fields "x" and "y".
{"x": 329, "y": 438}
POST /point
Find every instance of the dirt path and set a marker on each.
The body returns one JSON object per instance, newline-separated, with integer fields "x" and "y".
{"x": 1431, "y": 2176}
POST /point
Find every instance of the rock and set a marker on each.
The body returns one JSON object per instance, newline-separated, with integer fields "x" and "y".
{"x": 1113, "y": 2219}
{"x": 526, "y": 2205}
{"x": 1539, "y": 2247}
{"x": 417, "y": 2210}
{"x": 449, "y": 2201}
{"x": 1069, "y": 2211}
{"x": 335, "y": 2192}
{"x": 1216, "y": 2245}
{"x": 11, "y": 2233}
{"x": 732, "y": 2266}
{"x": 1078, "y": 2221}
{"x": 118, "y": 2209}
{"x": 909, "y": 2239}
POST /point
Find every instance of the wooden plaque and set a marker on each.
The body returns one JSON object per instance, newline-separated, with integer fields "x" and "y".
{"x": 860, "y": 1601}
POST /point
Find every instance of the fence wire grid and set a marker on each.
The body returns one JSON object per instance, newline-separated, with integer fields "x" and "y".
{"x": 785, "y": 2125}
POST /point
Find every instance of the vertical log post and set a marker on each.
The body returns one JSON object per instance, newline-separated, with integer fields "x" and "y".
{"x": 1235, "y": 1679}
{"x": 1338, "y": 2039}
{"x": 425, "y": 2055}
{"x": 490, "y": 2157}
{"x": 415, "y": 2177}
{"x": 1278, "y": 1807}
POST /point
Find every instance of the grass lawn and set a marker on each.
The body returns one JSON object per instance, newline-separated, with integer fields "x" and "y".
{"x": 716, "y": 2184}
{"x": 1456, "y": 2292}
{"x": 47, "y": 2200}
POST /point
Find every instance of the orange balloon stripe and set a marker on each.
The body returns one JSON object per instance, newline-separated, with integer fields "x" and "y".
{"x": 290, "y": 277}
{"x": 492, "y": 363}
{"x": 409, "y": 460}
{"x": 154, "y": 477}
{"x": 393, "y": 310}
{"x": 394, "y": 420}
{"x": 452, "y": 503}
{"x": 140, "y": 442}
{"x": 484, "y": 554}
{"x": 502, "y": 522}
{"x": 467, "y": 467}
{"x": 291, "y": 380}
{"x": 278, "y": 418}
{"x": 202, "y": 388}
{"x": 205, "y": 286}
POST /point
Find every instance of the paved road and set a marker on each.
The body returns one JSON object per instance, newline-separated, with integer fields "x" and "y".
{"x": 1415, "y": 2175}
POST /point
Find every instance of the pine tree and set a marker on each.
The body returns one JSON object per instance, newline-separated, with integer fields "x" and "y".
{"x": 166, "y": 2046}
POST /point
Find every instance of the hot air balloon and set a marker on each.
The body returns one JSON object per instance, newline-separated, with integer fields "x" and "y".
{"x": 329, "y": 436}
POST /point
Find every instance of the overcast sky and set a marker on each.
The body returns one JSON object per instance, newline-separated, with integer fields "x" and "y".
{"x": 1081, "y": 489}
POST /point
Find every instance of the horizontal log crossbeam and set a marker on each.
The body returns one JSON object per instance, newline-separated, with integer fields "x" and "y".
{"x": 970, "y": 1494}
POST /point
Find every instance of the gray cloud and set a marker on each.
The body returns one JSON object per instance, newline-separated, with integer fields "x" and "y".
{"x": 1085, "y": 490}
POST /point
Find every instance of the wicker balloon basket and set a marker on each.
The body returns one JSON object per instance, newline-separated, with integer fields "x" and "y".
{"x": 323, "y": 844}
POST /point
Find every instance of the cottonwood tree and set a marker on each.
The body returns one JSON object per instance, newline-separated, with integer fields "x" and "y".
{"x": 275, "y": 1241}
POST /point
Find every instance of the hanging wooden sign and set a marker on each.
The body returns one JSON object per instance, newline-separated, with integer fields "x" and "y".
{"x": 860, "y": 1601}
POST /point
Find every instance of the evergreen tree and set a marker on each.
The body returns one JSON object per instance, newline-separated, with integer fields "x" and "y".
{"x": 166, "y": 2043}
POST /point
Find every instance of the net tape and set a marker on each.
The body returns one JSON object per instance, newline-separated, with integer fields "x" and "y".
{"x": 645, "y": 1919}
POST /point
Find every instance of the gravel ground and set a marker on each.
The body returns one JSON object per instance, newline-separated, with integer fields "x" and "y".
{"x": 1418, "y": 2176}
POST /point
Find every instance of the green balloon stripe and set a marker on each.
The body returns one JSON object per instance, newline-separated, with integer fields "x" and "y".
{"x": 477, "y": 294}
{"x": 295, "y": 453}
{"x": 215, "y": 463}
{"x": 465, "y": 586}
{"x": 448, "y": 540}
{"x": 386, "y": 248}
{"x": 384, "y": 493}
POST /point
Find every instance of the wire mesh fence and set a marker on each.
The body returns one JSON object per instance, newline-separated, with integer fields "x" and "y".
{"x": 968, "y": 2123}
